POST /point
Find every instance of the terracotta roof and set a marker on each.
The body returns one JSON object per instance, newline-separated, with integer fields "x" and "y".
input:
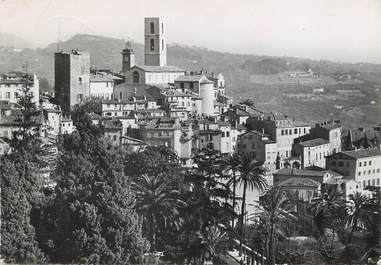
{"x": 189, "y": 78}
{"x": 314, "y": 142}
{"x": 300, "y": 172}
{"x": 358, "y": 153}
{"x": 151, "y": 68}
{"x": 305, "y": 182}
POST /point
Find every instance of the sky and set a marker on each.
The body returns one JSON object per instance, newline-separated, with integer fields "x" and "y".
{"x": 345, "y": 30}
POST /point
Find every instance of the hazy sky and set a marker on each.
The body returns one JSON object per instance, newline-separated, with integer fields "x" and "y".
{"x": 345, "y": 30}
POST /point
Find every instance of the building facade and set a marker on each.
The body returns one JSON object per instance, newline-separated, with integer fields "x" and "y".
{"x": 72, "y": 78}
{"x": 362, "y": 166}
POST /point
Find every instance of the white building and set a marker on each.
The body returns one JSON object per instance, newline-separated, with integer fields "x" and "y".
{"x": 12, "y": 84}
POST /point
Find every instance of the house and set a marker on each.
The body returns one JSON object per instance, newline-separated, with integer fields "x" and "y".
{"x": 312, "y": 152}
{"x": 304, "y": 188}
{"x": 259, "y": 145}
{"x": 362, "y": 166}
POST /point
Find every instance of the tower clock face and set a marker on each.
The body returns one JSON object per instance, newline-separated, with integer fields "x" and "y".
{"x": 126, "y": 59}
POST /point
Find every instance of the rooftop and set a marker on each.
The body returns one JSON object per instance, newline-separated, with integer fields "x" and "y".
{"x": 300, "y": 182}
{"x": 361, "y": 153}
{"x": 159, "y": 69}
{"x": 314, "y": 142}
{"x": 300, "y": 172}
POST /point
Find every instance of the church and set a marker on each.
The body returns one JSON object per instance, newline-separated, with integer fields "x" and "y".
{"x": 156, "y": 75}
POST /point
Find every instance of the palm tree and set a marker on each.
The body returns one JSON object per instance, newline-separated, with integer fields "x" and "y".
{"x": 276, "y": 206}
{"x": 329, "y": 211}
{"x": 213, "y": 238}
{"x": 359, "y": 213}
{"x": 248, "y": 102}
{"x": 251, "y": 176}
{"x": 158, "y": 202}
{"x": 233, "y": 163}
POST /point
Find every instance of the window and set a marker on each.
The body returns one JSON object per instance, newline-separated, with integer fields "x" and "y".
{"x": 378, "y": 182}
{"x": 369, "y": 171}
{"x": 368, "y": 182}
{"x": 227, "y": 135}
{"x": 364, "y": 184}
{"x": 295, "y": 131}
{"x": 378, "y": 170}
{"x": 79, "y": 80}
{"x": 286, "y": 153}
{"x": 152, "y": 28}
{"x": 373, "y": 182}
{"x": 223, "y": 134}
{"x": 114, "y": 137}
{"x": 304, "y": 130}
{"x": 152, "y": 44}
{"x": 341, "y": 164}
{"x": 282, "y": 132}
{"x": 286, "y": 132}
{"x": 359, "y": 173}
{"x": 360, "y": 164}
{"x": 191, "y": 85}
{"x": 8, "y": 95}
{"x": 162, "y": 44}
{"x": 364, "y": 163}
{"x": 370, "y": 162}
{"x": 182, "y": 85}
{"x": 290, "y": 131}
{"x": 211, "y": 138}
{"x": 333, "y": 163}
{"x": 120, "y": 93}
{"x": 135, "y": 77}
{"x": 16, "y": 94}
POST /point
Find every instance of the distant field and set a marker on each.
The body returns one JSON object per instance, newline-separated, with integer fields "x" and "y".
{"x": 351, "y": 103}
{"x": 286, "y": 79}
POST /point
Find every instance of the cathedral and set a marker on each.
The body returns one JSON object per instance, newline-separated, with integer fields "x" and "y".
{"x": 200, "y": 94}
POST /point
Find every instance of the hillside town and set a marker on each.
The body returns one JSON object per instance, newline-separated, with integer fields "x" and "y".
{"x": 190, "y": 113}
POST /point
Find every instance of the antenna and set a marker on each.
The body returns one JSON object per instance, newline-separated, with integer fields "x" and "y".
{"x": 59, "y": 36}
{"x": 25, "y": 66}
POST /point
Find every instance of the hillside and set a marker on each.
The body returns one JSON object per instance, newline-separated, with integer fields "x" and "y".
{"x": 246, "y": 75}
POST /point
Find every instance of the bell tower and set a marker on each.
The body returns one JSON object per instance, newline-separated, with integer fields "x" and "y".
{"x": 155, "y": 46}
{"x": 128, "y": 57}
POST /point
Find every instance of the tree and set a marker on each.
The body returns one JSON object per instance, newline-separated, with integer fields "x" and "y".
{"x": 21, "y": 183}
{"x": 276, "y": 205}
{"x": 358, "y": 213}
{"x": 92, "y": 214}
{"x": 329, "y": 211}
{"x": 26, "y": 138}
{"x": 251, "y": 176}
{"x": 159, "y": 203}
{"x": 249, "y": 103}
{"x": 18, "y": 242}
{"x": 233, "y": 164}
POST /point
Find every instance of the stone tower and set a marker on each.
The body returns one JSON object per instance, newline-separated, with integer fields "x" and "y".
{"x": 155, "y": 47}
{"x": 72, "y": 78}
{"x": 128, "y": 57}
